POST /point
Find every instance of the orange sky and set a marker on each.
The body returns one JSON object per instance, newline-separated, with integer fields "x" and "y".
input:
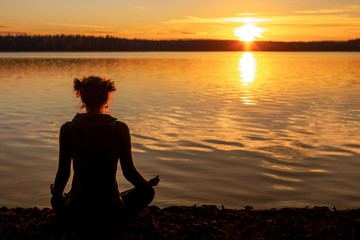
{"x": 280, "y": 20}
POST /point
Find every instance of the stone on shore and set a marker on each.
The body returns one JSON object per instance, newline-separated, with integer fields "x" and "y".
{"x": 180, "y": 222}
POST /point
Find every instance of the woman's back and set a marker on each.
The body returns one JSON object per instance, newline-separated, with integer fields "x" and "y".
{"x": 94, "y": 143}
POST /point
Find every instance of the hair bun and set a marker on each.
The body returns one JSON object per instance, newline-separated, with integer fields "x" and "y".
{"x": 108, "y": 85}
{"x": 78, "y": 84}
{"x": 111, "y": 86}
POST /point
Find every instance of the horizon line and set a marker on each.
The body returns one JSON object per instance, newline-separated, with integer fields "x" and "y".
{"x": 144, "y": 39}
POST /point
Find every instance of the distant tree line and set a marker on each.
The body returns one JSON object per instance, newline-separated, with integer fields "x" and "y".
{"x": 109, "y": 43}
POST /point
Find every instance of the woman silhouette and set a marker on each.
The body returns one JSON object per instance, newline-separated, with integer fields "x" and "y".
{"x": 95, "y": 142}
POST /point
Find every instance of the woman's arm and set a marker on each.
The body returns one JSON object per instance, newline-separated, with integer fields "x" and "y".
{"x": 63, "y": 173}
{"x": 126, "y": 160}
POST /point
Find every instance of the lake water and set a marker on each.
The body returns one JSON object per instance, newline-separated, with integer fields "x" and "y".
{"x": 266, "y": 129}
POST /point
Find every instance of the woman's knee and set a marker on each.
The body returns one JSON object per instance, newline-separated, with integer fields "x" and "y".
{"x": 58, "y": 203}
{"x": 152, "y": 193}
{"x": 148, "y": 192}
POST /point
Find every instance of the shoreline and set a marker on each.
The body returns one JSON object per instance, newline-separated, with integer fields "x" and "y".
{"x": 196, "y": 222}
{"x": 77, "y": 43}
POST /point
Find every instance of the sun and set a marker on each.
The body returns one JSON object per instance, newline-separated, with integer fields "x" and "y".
{"x": 248, "y": 32}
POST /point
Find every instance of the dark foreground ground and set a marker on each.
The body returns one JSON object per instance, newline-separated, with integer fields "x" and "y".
{"x": 205, "y": 222}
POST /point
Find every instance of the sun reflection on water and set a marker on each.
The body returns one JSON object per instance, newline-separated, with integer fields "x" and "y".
{"x": 247, "y": 68}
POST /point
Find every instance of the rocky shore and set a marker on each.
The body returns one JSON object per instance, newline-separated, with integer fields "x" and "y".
{"x": 180, "y": 222}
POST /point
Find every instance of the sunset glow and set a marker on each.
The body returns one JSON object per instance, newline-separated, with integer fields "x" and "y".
{"x": 246, "y": 20}
{"x": 248, "y": 32}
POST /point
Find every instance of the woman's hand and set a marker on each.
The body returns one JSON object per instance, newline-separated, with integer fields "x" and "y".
{"x": 154, "y": 181}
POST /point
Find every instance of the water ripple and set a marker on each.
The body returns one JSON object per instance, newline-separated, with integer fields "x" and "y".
{"x": 144, "y": 137}
{"x": 287, "y": 138}
{"x": 220, "y": 142}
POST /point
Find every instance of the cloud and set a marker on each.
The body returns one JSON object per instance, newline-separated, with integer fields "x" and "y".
{"x": 138, "y": 7}
{"x": 13, "y": 33}
{"x": 2, "y": 26}
{"x": 307, "y": 21}
{"x": 192, "y": 19}
{"x": 188, "y": 33}
{"x": 353, "y": 6}
{"x": 307, "y": 25}
{"x": 321, "y": 11}
{"x": 246, "y": 14}
{"x": 345, "y": 9}
{"x": 101, "y": 32}
{"x": 71, "y": 24}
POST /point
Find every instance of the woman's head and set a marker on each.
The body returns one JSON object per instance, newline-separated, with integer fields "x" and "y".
{"x": 93, "y": 91}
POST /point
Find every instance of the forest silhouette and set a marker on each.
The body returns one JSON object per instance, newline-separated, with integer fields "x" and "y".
{"x": 109, "y": 43}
